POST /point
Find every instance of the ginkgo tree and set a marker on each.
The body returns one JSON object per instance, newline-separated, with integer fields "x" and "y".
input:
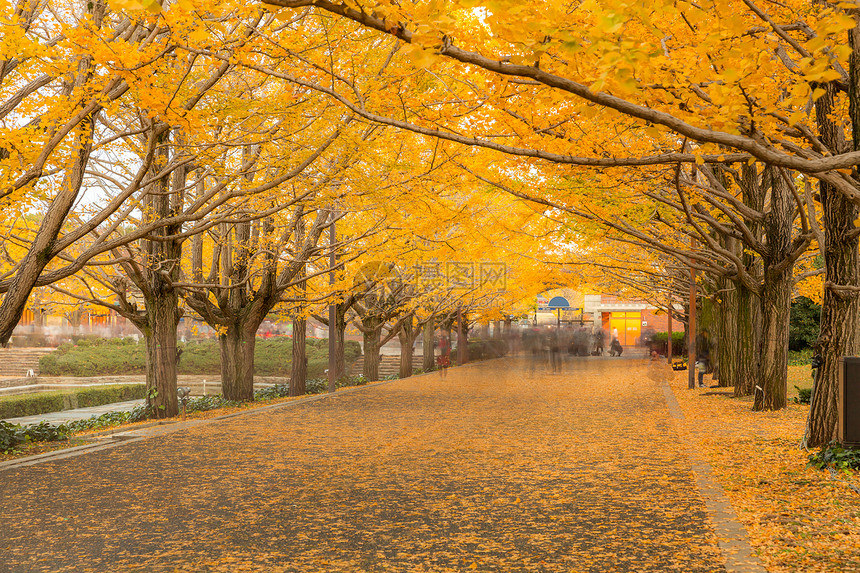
{"x": 600, "y": 84}
{"x": 67, "y": 69}
{"x": 743, "y": 82}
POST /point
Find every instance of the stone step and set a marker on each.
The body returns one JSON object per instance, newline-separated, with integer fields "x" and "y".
{"x": 19, "y": 361}
{"x": 388, "y": 366}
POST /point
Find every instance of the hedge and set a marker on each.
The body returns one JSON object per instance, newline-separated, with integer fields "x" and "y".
{"x": 484, "y": 349}
{"x": 56, "y": 401}
{"x": 660, "y": 343}
{"x": 102, "y": 357}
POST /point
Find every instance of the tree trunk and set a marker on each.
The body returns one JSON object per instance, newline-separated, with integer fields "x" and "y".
{"x": 776, "y": 310}
{"x": 371, "y": 353}
{"x": 776, "y": 295}
{"x": 161, "y": 299}
{"x": 838, "y": 328}
{"x": 406, "y": 351}
{"x": 429, "y": 351}
{"x": 462, "y": 339}
{"x": 160, "y": 333}
{"x": 727, "y": 341}
{"x": 237, "y": 362}
{"x": 746, "y": 365}
{"x": 299, "y": 371}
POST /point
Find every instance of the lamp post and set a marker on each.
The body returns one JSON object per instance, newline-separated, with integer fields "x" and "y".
{"x": 691, "y": 324}
{"x": 669, "y": 339}
{"x": 332, "y": 311}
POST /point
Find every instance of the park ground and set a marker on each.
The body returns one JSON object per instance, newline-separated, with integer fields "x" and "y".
{"x": 500, "y": 466}
{"x": 798, "y": 518}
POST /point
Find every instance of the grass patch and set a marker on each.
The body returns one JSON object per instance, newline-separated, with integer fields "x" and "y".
{"x": 799, "y": 380}
{"x": 45, "y": 402}
{"x": 112, "y": 356}
{"x": 799, "y": 357}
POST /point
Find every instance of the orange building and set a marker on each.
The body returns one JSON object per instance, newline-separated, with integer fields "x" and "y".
{"x": 630, "y": 318}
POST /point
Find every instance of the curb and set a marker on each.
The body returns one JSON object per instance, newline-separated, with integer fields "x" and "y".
{"x": 732, "y": 538}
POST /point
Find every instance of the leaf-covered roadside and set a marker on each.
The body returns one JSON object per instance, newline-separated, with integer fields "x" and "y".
{"x": 799, "y": 518}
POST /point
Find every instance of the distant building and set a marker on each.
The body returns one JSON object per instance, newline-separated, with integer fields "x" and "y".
{"x": 631, "y": 318}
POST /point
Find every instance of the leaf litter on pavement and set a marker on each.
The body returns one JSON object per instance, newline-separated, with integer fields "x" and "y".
{"x": 501, "y": 466}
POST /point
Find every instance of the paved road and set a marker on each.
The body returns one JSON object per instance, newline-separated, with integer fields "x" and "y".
{"x": 499, "y": 467}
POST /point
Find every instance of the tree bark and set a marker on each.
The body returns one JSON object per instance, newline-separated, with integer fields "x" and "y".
{"x": 770, "y": 393}
{"x": 160, "y": 298}
{"x": 299, "y": 371}
{"x": 727, "y": 341}
{"x": 371, "y": 352}
{"x": 838, "y": 328}
{"x": 160, "y": 333}
{"x": 462, "y": 339}
{"x": 429, "y": 340}
{"x": 776, "y": 296}
{"x": 237, "y": 361}
{"x": 340, "y": 342}
{"x": 406, "y": 350}
{"x": 746, "y": 365}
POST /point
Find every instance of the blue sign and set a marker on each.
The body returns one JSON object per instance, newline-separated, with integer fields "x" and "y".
{"x": 558, "y": 302}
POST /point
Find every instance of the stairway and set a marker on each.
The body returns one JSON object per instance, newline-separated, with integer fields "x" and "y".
{"x": 388, "y": 366}
{"x": 18, "y": 361}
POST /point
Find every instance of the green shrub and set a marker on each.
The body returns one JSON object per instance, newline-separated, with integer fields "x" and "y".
{"x": 485, "y": 349}
{"x": 320, "y": 385}
{"x": 660, "y": 343}
{"x": 204, "y": 403}
{"x": 835, "y": 456}
{"x": 96, "y": 356}
{"x": 804, "y": 395}
{"x": 31, "y": 404}
{"x": 799, "y": 357}
{"x": 45, "y": 402}
{"x": 136, "y": 414}
{"x": 99, "y": 357}
{"x": 803, "y": 323}
{"x": 12, "y": 435}
{"x": 199, "y": 357}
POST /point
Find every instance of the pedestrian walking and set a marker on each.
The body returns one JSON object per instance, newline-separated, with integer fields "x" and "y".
{"x": 703, "y": 355}
{"x": 554, "y": 350}
{"x": 599, "y": 341}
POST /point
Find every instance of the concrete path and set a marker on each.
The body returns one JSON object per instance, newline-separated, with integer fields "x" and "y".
{"x": 500, "y": 466}
{"x": 76, "y": 414}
